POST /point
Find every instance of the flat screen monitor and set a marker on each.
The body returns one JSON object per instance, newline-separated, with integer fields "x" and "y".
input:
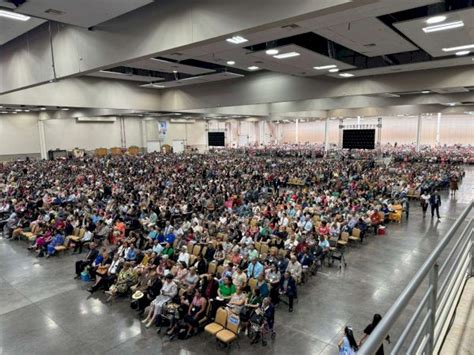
{"x": 216, "y": 139}
{"x": 358, "y": 139}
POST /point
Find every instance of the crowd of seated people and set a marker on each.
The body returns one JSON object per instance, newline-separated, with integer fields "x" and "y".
{"x": 187, "y": 235}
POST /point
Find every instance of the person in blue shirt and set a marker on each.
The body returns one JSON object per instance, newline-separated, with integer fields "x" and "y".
{"x": 170, "y": 237}
{"x": 255, "y": 269}
{"x": 57, "y": 240}
{"x": 131, "y": 254}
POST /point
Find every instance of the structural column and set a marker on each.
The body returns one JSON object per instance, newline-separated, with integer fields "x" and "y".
{"x": 438, "y": 129}
{"x": 326, "y": 134}
{"x": 418, "y": 133}
{"x": 297, "y": 132}
{"x": 341, "y": 127}
{"x": 379, "y": 135}
{"x": 144, "y": 132}
{"x": 42, "y": 139}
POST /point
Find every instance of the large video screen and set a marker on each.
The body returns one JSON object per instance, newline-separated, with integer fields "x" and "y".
{"x": 358, "y": 139}
{"x": 216, "y": 139}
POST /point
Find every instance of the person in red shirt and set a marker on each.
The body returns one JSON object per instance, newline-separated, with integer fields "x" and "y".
{"x": 375, "y": 220}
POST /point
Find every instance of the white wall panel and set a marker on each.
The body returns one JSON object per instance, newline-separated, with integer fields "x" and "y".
{"x": 68, "y": 134}
{"x": 19, "y": 134}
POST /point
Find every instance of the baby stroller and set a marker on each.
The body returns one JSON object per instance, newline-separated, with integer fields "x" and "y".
{"x": 260, "y": 328}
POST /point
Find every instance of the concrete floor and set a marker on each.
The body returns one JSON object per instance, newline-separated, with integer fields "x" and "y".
{"x": 44, "y": 311}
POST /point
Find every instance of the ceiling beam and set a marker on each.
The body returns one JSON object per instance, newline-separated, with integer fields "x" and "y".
{"x": 162, "y": 27}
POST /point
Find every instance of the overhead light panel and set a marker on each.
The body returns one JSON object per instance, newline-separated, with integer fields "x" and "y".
{"x": 443, "y": 26}
{"x": 112, "y": 72}
{"x": 333, "y": 70}
{"x": 14, "y": 15}
{"x": 324, "y": 67}
{"x": 460, "y": 53}
{"x": 253, "y": 67}
{"x": 458, "y": 48}
{"x": 230, "y": 62}
{"x": 346, "y": 75}
{"x": 286, "y": 55}
{"x": 43, "y": 108}
{"x": 65, "y": 109}
{"x": 425, "y": 92}
{"x": 271, "y": 51}
{"x": 236, "y": 40}
{"x": 435, "y": 19}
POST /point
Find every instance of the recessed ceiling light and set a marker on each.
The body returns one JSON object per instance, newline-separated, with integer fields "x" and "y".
{"x": 175, "y": 72}
{"x": 451, "y": 103}
{"x": 286, "y": 55}
{"x": 271, "y": 51}
{"x": 346, "y": 75}
{"x": 14, "y": 15}
{"x": 27, "y": 110}
{"x": 65, "y": 109}
{"x": 443, "y": 26}
{"x": 460, "y": 53}
{"x": 425, "y": 92}
{"x": 230, "y": 62}
{"x": 15, "y": 113}
{"x": 333, "y": 70}
{"x": 435, "y": 19}
{"x": 43, "y": 108}
{"x": 253, "y": 67}
{"x": 458, "y": 48}
{"x": 237, "y": 40}
{"x": 4, "y": 112}
{"x": 325, "y": 67}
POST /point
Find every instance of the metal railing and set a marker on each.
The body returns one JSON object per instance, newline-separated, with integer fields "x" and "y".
{"x": 438, "y": 302}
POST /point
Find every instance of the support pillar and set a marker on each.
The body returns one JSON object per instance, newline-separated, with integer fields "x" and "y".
{"x": 144, "y": 133}
{"x": 297, "y": 133}
{"x": 42, "y": 140}
{"x": 418, "y": 133}
{"x": 379, "y": 136}
{"x": 438, "y": 129}
{"x": 341, "y": 128}
{"x": 326, "y": 135}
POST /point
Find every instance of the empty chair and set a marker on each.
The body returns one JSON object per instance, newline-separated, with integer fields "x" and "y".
{"x": 218, "y": 324}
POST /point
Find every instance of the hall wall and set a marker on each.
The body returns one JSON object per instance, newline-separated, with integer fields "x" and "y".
{"x": 19, "y": 134}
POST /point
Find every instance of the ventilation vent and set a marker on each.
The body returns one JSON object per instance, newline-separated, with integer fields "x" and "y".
{"x": 54, "y": 12}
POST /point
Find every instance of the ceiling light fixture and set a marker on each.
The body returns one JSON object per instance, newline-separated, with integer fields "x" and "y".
{"x": 19, "y": 110}
{"x": 65, "y": 109}
{"x": 236, "y": 39}
{"x": 458, "y": 48}
{"x": 253, "y": 67}
{"x": 27, "y": 110}
{"x": 230, "y": 62}
{"x": 451, "y": 103}
{"x": 14, "y": 15}
{"x": 443, "y": 26}
{"x": 15, "y": 113}
{"x": 325, "y": 67}
{"x": 346, "y": 75}
{"x": 425, "y": 92}
{"x": 286, "y": 55}
{"x": 271, "y": 51}
{"x": 112, "y": 72}
{"x": 460, "y": 53}
{"x": 435, "y": 19}
{"x": 43, "y": 108}
{"x": 334, "y": 70}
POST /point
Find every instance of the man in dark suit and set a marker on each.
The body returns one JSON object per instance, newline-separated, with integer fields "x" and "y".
{"x": 90, "y": 257}
{"x": 288, "y": 288}
{"x": 435, "y": 203}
